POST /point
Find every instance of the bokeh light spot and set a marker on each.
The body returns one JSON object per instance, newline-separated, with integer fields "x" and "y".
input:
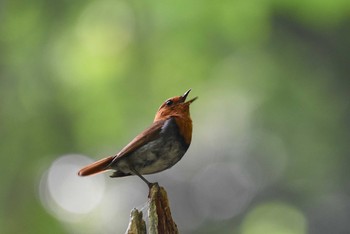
{"x": 65, "y": 194}
{"x": 274, "y": 218}
{"x": 105, "y": 27}
{"x": 222, "y": 191}
{"x": 93, "y": 50}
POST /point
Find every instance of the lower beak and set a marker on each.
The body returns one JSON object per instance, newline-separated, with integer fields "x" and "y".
{"x": 192, "y": 100}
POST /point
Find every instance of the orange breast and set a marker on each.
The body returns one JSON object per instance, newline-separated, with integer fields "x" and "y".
{"x": 185, "y": 128}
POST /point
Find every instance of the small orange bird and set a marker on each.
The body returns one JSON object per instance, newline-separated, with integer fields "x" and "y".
{"x": 157, "y": 148}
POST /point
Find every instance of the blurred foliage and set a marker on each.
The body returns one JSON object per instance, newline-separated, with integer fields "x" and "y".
{"x": 272, "y": 76}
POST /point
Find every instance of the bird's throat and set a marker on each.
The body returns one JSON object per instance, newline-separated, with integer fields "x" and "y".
{"x": 185, "y": 128}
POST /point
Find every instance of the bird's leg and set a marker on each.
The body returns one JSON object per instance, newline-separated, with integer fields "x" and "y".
{"x": 149, "y": 184}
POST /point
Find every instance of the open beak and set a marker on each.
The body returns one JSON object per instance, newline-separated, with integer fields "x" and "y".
{"x": 185, "y": 96}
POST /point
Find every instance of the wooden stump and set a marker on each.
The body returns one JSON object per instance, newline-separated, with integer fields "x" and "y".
{"x": 136, "y": 224}
{"x": 159, "y": 214}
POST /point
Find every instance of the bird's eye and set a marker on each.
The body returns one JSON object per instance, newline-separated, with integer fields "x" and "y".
{"x": 169, "y": 102}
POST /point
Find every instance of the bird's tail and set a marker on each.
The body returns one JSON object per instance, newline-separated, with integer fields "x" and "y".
{"x": 96, "y": 167}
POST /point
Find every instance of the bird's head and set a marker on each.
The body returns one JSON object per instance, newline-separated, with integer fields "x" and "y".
{"x": 175, "y": 106}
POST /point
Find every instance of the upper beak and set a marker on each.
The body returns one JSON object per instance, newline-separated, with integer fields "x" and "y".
{"x": 185, "y": 96}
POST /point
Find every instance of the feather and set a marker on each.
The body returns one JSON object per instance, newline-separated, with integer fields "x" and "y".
{"x": 96, "y": 167}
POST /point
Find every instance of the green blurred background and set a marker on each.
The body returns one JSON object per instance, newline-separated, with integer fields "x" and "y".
{"x": 270, "y": 151}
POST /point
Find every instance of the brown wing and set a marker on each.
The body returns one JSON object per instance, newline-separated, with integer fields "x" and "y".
{"x": 143, "y": 138}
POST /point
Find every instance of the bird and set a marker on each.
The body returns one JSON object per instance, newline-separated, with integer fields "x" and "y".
{"x": 157, "y": 148}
